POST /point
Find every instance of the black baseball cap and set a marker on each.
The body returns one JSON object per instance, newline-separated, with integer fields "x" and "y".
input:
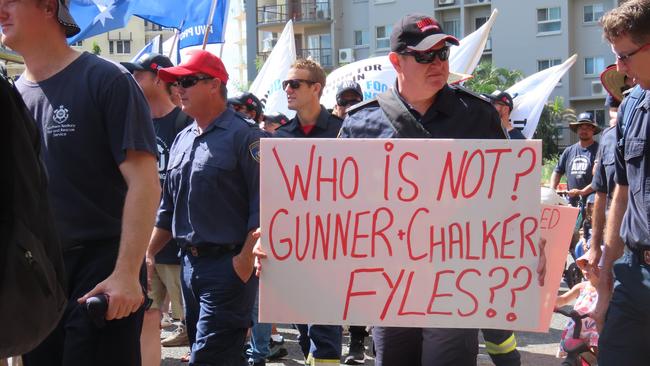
{"x": 276, "y": 117}
{"x": 148, "y": 62}
{"x": 66, "y": 20}
{"x": 418, "y": 32}
{"x": 248, "y": 100}
{"x": 501, "y": 97}
{"x": 348, "y": 85}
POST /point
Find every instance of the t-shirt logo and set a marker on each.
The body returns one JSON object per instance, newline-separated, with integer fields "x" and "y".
{"x": 579, "y": 165}
{"x": 60, "y": 115}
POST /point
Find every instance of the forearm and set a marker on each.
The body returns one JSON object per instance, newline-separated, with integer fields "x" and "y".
{"x": 586, "y": 191}
{"x": 598, "y": 221}
{"x": 555, "y": 180}
{"x": 614, "y": 243}
{"x": 159, "y": 238}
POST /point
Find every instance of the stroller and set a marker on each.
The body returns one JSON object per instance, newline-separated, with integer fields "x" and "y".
{"x": 579, "y": 353}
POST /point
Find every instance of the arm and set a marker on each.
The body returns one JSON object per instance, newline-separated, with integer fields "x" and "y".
{"x": 580, "y": 192}
{"x": 123, "y": 286}
{"x": 570, "y": 295}
{"x": 555, "y": 180}
{"x": 597, "y": 230}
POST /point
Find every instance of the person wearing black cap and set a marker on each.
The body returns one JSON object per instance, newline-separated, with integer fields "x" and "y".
{"x": 577, "y": 160}
{"x": 247, "y": 104}
{"x": 423, "y": 105}
{"x": 99, "y": 149}
{"x": 502, "y": 101}
{"x": 273, "y": 121}
{"x": 348, "y": 94}
{"x": 164, "y": 275}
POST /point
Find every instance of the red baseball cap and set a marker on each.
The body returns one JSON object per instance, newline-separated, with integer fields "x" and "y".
{"x": 200, "y": 61}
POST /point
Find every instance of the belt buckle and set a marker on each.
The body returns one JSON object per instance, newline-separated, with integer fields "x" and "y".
{"x": 194, "y": 251}
{"x": 646, "y": 256}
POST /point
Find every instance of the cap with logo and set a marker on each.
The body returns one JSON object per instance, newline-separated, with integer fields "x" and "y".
{"x": 348, "y": 85}
{"x": 418, "y": 32}
{"x": 499, "y": 96}
{"x": 276, "y": 117}
{"x": 148, "y": 62}
{"x": 200, "y": 62}
{"x": 248, "y": 100}
{"x": 65, "y": 18}
{"x": 584, "y": 118}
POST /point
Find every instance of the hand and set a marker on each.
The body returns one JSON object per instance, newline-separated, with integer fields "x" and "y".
{"x": 574, "y": 192}
{"x": 604, "y": 290}
{"x": 243, "y": 266}
{"x": 593, "y": 257}
{"x": 124, "y": 295}
{"x": 259, "y": 254}
{"x": 151, "y": 267}
{"x": 541, "y": 263}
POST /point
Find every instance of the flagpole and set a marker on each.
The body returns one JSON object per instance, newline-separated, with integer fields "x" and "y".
{"x": 208, "y": 26}
{"x": 171, "y": 49}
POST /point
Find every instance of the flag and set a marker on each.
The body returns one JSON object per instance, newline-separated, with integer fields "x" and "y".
{"x": 190, "y": 17}
{"x": 464, "y": 58}
{"x": 530, "y": 96}
{"x": 152, "y": 47}
{"x": 170, "y": 49}
{"x": 267, "y": 85}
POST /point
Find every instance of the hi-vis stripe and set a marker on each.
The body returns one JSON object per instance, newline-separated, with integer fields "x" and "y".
{"x": 311, "y": 361}
{"x": 506, "y": 346}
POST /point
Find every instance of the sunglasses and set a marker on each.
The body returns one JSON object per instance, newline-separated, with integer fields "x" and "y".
{"x": 347, "y": 102}
{"x": 190, "y": 81}
{"x": 295, "y": 83}
{"x": 626, "y": 56}
{"x": 429, "y": 56}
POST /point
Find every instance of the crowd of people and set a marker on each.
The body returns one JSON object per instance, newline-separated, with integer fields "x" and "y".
{"x": 154, "y": 183}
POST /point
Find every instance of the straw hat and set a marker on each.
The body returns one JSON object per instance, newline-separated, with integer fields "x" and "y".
{"x": 614, "y": 82}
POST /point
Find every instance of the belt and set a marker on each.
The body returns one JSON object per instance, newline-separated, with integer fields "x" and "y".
{"x": 211, "y": 251}
{"x": 642, "y": 254}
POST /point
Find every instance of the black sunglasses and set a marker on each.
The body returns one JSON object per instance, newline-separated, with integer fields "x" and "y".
{"x": 190, "y": 81}
{"x": 429, "y": 56}
{"x": 295, "y": 83}
{"x": 347, "y": 102}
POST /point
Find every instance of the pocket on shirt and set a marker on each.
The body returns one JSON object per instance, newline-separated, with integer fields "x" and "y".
{"x": 634, "y": 159}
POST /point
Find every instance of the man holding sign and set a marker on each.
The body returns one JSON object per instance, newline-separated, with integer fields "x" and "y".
{"x": 423, "y": 105}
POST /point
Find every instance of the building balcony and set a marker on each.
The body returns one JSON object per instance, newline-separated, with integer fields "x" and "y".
{"x": 319, "y": 11}
{"x": 321, "y": 55}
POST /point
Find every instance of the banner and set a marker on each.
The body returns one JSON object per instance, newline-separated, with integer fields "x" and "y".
{"x": 267, "y": 85}
{"x": 404, "y": 232}
{"x": 531, "y": 94}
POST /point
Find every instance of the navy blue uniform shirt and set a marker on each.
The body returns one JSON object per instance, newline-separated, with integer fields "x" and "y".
{"x": 211, "y": 193}
{"x": 633, "y": 170}
{"x": 327, "y": 126}
{"x": 454, "y": 114}
{"x": 577, "y": 163}
{"x": 603, "y": 180}
{"x": 516, "y": 134}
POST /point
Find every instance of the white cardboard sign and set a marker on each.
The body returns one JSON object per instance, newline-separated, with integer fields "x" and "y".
{"x": 402, "y": 232}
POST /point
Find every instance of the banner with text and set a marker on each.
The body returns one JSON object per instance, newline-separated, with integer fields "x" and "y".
{"x": 402, "y": 233}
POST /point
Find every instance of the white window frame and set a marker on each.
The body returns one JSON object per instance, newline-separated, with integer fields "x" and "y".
{"x": 454, "y": 27}
{"x": 113, "y": 47}
{"x": 549, "y": 21}
{"x": 594, "y": 18}
{"x": 386, "y": 38}
{"x": 367, "y": 38}
{"x": 596, "y": 69}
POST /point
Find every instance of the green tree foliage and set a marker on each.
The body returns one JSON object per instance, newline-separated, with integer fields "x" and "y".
{"x": 488, "y": 78}
{"x": 554, "y": 115}
{"x": 96, "y": 50}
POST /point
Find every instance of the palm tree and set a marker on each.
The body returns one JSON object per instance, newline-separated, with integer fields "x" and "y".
{"x": 555, "y": 117}
{"x": 488, "y": 78}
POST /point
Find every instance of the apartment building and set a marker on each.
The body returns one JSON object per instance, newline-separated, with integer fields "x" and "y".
{"x": 528, "y": 36}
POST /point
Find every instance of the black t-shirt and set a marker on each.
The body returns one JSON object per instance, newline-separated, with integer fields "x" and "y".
{"x": 167, "y": 128}
{"x": 90, "y": 113}
{"x": 577, "y": 163}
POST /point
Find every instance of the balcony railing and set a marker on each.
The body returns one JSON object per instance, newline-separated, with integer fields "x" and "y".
{"x": 303, "y": 12}
{"x": 321, "y": 55}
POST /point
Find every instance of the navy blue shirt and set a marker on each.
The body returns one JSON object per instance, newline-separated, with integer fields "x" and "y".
{"x": 211, "y": 194}
{"x": 515, "y": 134}
{"x": 603, "y": 180}
{"x": 89, "y": 114}
{"x": 166, "y": 128}
{"x": 577, "y": 163}
{"x": 454, "y": 114}
{"x": 327, "y": 126}
{"x": 633, "y": 170}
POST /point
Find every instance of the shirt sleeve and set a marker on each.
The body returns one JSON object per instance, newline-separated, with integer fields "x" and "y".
{"x": 249, "y": 161}
{"x": 599, "y": 181}
{"x": 559, "y": 168}
{"x": 619, "y": 151}
{"x": 127, "y": 118}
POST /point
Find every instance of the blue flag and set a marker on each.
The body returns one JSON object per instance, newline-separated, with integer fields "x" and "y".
{"x": 99, "y": 16}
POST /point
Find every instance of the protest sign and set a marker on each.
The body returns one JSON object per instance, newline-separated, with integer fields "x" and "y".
{"x": 402, "y": 233}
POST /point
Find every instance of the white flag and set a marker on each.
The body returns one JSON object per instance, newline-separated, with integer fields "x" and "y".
{"x": 152, "y": 47}
{"x": 170, "y": 49}
{"x": 376, "y": 75}
{"x": 267, "y": 85}
{"x": 464, "y": 58}
{"x": 530, "y": 96}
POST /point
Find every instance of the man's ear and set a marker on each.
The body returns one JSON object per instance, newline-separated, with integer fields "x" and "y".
{"x": 394, "y": 59}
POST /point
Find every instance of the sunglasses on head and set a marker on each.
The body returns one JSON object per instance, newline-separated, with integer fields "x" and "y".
{"x": 190, "y": 81}
{"x": 428, "y": 57}
{"x": 347, "y": 102}
{"x": 295, "y": 83}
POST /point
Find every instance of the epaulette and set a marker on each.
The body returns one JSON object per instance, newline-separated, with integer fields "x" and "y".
{"x": 627, "y": 92}
{"x": 464, "y": 90}
{"x": 361, "y": 105}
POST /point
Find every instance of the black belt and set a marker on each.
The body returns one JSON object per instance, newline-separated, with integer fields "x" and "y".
{"x": 211, "y": 251}
{"x": 642, "y": 254}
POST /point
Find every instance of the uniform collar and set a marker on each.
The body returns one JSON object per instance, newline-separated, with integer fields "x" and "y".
{"x": 321, "y": 122}
{"x": 646, "y": 102}
{"x": 223, "y": 121}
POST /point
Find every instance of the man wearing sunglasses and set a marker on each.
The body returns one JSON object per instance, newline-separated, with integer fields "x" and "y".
{"x": 423, "y": 105}
{"x": 321, "y": 344}
{"x": 348, "y": 94}
{"x": 210, "y": 206}
{"x": 624, "y": 335}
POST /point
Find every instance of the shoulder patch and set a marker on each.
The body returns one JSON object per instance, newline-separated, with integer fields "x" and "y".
{"x": 254, "y": 150}
{"x": 463, "y": 90}
{"x": 359, "y": 106}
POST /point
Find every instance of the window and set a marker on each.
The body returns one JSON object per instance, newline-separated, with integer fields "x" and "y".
{"x": 599, "y": 115}
{"x": 548, "y": 20}
{"x": 319, "y": 48}
{"x": 383, "y": 36}
{"x": 545, "y": 64}
{"x": 452, "y": 27}
{"x": 592, "y": 13}
{"x": 152, "y": 26}
{"x": 594, "y": 65}
{"x": 360, "y": 38}
{"x": 478, "y": 22}
{"x": 78, "y": 44}
{"x": 119, "y": 47}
